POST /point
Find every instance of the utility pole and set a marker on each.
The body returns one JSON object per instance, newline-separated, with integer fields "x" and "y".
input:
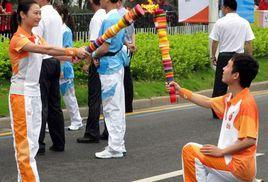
{"x": 213, "y": 13}
{"x": 213, "y": 17}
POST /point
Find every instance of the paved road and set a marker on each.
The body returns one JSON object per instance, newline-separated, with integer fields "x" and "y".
{"x": 153, "y": 139}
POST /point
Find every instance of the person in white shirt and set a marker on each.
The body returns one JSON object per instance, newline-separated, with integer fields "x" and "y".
{"x": 50, "y": 28}
{"x": 92, "y": 133}
{"x": 231, "y": 33}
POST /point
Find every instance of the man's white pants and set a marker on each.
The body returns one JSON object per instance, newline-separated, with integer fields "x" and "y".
{"x": 25, "y": 114}
{"x": 72, "y": 106}
{"x": 113, "y": 102}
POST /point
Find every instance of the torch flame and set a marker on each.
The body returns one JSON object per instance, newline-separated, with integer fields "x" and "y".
{"x": 150, "y": 7}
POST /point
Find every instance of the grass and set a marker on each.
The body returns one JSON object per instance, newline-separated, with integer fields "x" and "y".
{"x": 144, "y": 89}
{"x": 4, "y": 89}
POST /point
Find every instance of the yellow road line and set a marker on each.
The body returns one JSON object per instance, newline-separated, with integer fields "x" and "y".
{"x": 5, "y": 134}
{"x": 161, "y": 108}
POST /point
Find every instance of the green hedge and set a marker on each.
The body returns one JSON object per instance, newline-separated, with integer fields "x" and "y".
{"x": 5, "y": 67}
{"x": 189, "y": 54}
{"x": 260, "y": 44}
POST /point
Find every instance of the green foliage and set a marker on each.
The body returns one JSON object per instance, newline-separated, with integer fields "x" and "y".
{"x": 78, "y": 67}
{"x": 260, "y": 44}
{"x": 5, "y": 66}
{"x": 189, "y": 54}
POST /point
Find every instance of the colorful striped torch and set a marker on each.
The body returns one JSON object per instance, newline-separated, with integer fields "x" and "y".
{"x": 160, "y": 22}
{"x": 127, "y": 19}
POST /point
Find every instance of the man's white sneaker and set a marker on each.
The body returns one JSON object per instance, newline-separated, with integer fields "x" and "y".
{"x": 106, "y": 154}
{"x": 74, "y": 128}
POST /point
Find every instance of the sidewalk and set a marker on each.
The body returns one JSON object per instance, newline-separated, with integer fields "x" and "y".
{"x": 143, "y": 103}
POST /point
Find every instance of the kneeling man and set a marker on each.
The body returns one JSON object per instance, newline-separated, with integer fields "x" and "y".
{"x": 234, "y": 157}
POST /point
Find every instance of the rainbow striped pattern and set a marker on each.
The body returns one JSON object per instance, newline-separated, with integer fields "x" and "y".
{"x": 160, "y": 22}
{"x": 127, "y": 19}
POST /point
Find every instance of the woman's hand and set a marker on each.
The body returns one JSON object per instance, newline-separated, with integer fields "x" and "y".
{"x": 82, "y": 53}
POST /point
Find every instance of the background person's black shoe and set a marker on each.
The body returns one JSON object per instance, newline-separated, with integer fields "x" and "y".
{"x": 56, "y": 149}
{"x": 87, "y": 140}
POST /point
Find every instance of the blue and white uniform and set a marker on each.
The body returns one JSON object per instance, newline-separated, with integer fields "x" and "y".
{"x": 111, "y": 71}
{"x": 67, "y": 82}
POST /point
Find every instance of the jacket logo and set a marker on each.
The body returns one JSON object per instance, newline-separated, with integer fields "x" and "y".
{"x": 228, "y": 126}
{"x": 230, "y": 116}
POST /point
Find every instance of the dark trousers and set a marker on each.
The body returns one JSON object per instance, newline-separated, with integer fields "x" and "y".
{"x": 128, "y": 86}
{"x": 94, "y": 103}
{"x": 220, "y": 88}
{"x": 51, "y": 103}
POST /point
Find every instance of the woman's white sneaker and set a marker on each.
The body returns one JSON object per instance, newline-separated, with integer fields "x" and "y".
{"x": 74, "y": 128}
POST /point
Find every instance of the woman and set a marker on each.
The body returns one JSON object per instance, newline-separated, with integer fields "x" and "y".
{"x": 67, "y": 72}
{"x": 25, "y": 52}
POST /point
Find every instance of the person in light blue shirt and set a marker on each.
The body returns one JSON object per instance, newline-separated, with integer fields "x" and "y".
{"x": 67, "y": 73}
{"x": 111, "y": 57}
{"x": 110, "y": 63}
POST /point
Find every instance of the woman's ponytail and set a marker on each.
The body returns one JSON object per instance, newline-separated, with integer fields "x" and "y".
{"x": 66, "y": 17}
{"x": 14, "y": 23}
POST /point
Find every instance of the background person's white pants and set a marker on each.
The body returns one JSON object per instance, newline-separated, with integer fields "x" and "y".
{"x": 25, "y": 114}
{"x": 113, "y": 102}
{"x": 72, "y": 107}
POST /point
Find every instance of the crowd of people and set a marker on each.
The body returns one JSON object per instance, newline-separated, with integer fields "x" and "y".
{"x": 261, "y": 4}
{"x": 42, "y": 56}
{"x": 6, "y": 8}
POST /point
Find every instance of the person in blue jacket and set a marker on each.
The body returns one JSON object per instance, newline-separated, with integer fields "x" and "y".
{"x": 67, "y": 72}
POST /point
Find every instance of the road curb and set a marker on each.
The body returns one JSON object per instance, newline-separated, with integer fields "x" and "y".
{"x": 143, "y": 103}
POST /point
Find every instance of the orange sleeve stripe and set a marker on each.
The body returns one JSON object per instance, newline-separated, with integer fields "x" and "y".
{"x": 15, "y": 68}
{"x": 247, "y": 127}
{"x": 218, "y": 105}
{"x": 43, "y": 41}
{"x": 20, "y": 43}
{"x": 16, "y": 44}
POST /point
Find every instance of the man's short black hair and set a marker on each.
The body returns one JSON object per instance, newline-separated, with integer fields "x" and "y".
{"x": 96, "y": 2}
{"x": 114, "y": 1}
{"x": 247, "y": 67}
{"x": 232, "y": 4}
